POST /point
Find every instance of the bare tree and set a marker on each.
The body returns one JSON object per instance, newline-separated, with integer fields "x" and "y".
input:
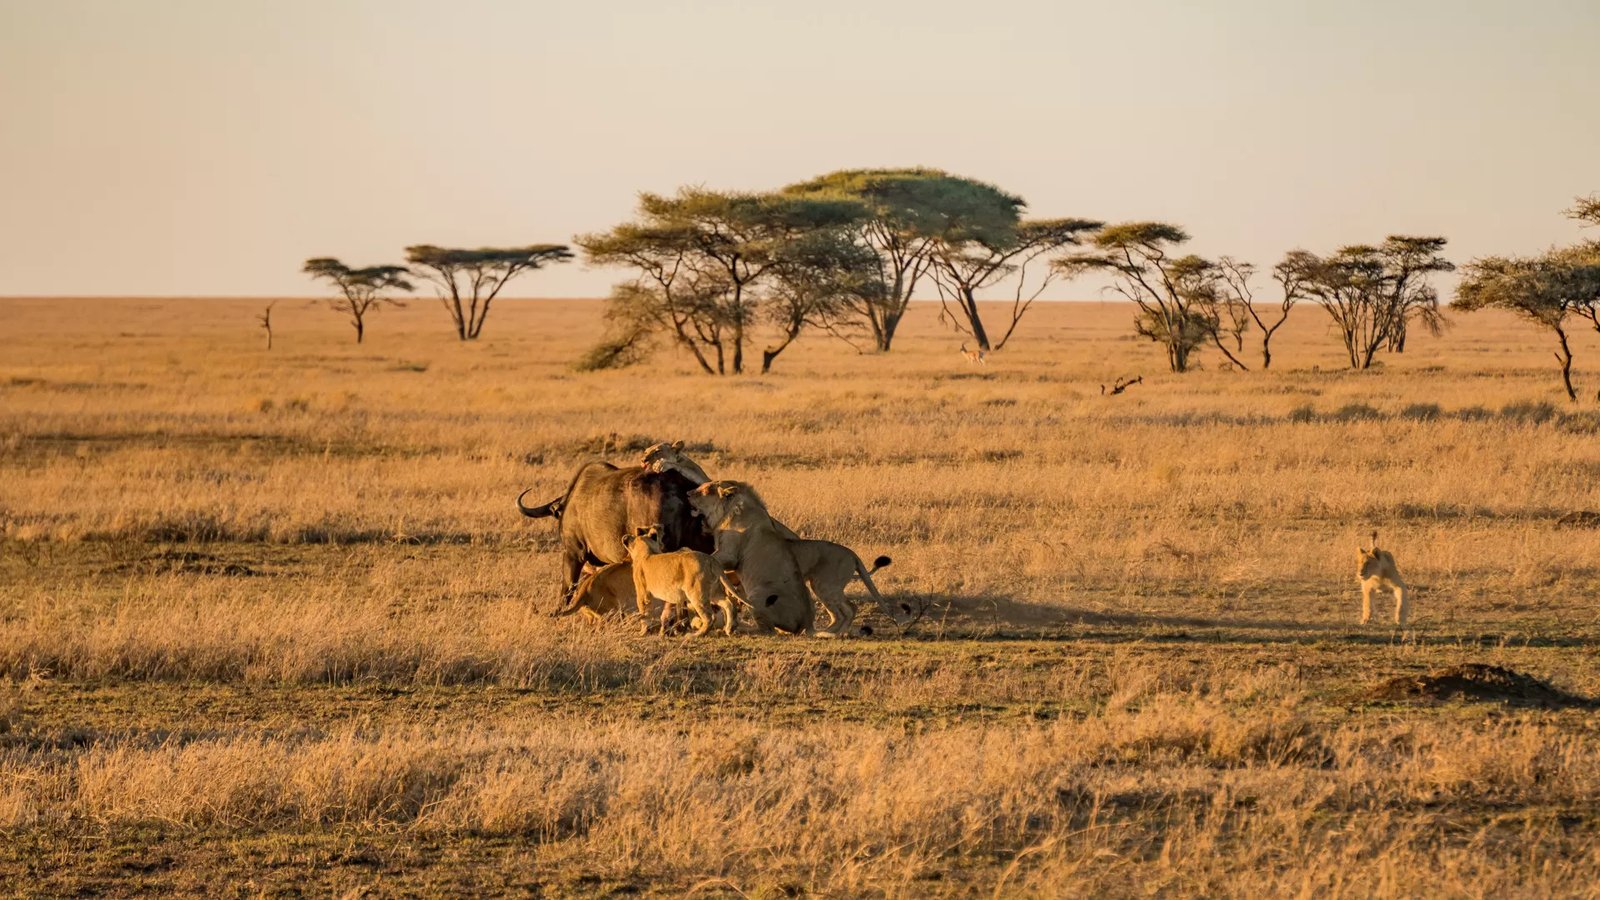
{"x": 360, "y": 290}
{"x": 265, "y": 318}
{"x": 968, "y": 260}
{"x": 1241, "y": 309}
{"x": 468, "y": 281}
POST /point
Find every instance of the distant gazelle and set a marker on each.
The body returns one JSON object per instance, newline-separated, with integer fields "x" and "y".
{"x": 1376, "y": 569}
{"x": 980, "y": 355}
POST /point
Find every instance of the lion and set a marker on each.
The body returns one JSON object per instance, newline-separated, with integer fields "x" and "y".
{"x": 1376, "y": 569}
{"x": 682, "y": 578}
{"x": 748, "y": 542}
{"x": 828, "y": 568}
{"x": 607, "y": 591}
{"x": 665, "y": 457}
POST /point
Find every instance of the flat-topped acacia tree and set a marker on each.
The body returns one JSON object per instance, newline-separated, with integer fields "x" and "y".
{"x": 1172, "y": 292}
{"x": 467, "y": 281}
{"x": 910, "y": 214}
{"x": 360, "y": 290}
{"x": 705, "y": 261}
{"x": 1547, "y": 289}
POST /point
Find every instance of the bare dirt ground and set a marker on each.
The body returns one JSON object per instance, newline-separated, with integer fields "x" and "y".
{"x": 270, "y": 623}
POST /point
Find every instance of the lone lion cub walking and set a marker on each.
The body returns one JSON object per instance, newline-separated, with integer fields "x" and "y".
{"x": 678, "y": 579}
{"x": 1376, "y": 569}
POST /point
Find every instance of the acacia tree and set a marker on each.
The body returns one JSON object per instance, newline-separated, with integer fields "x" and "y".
{"x": 1586, "y": 210}
{"x": 468, "y": 281}
{"x": 1235, "y": 310}
{"x": 1171, "y": 292}
{"x": 702, "y": 258}
{"x": 908, "y": 212}
{"x": 360, "y": 290}
{"x": 817, "y": 280}
{"x": 1373, "y": 293}
{"x": 988, "y": 246}
{"x": 1546, "y": 290}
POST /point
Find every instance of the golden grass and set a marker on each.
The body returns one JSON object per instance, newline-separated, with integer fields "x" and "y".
{"x": 284, "y": 598}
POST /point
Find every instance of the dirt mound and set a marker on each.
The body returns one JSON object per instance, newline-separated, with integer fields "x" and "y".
{"x": 1476, "y": 681}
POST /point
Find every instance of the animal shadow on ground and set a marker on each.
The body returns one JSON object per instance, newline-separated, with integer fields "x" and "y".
{"x": 998, "y": 617}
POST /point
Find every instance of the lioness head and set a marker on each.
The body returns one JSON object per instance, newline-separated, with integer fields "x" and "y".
{"x": 647, "y": 538}
{"x": 1371, "y": 562}
{"x": 1374, "y": 562}
{"x": 727, "y": 502}
{"x": 665, "y": 457}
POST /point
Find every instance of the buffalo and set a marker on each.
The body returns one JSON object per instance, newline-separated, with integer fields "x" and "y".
{"x": 603, "y": 503}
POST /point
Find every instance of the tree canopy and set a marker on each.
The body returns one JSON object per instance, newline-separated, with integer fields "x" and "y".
{"x": 1372, "y": 292}
{"x": 704, "y": 258}
{"x": 360, "y": 290}
{"x": 467, "y": 281}
{"x": 910, "y": 214}
{"x": 962, "y": 266}
{"x": 1167, "y": 289}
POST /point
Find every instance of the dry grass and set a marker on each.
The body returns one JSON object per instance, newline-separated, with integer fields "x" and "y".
{"x": 283, "y": 600}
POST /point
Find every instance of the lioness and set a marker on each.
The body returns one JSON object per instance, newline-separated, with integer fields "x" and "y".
{"x": 827, "y": 567}
{"x": 748, "y": 542}
{"x": 606, "y": 591}
{"x": 680, "y": 578}
{"x": 664, "y": 457}
{"x": 1376, "y": 569}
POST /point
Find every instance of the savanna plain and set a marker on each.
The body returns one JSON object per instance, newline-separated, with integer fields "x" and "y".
{"x": 270, "y": 622}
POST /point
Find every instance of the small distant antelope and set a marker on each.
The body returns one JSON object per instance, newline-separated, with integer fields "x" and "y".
{"x": 1376, "y": 569}
{"x": 980, "y": 355}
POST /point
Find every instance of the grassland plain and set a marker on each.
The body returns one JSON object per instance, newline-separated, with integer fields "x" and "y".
{"x": 269, "y": 621}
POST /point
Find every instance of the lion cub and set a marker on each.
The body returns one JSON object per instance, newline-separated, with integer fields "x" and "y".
{"x": 678, "y": 579}
{"x": 1376, "y": 569}
{"x": 604, "y": 592}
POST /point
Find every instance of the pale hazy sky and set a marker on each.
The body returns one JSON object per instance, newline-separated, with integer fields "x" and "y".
{"x": 209, "y": 146}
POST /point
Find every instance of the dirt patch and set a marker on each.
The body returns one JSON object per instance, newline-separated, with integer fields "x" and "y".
{"x": 1584, "y": 518}
{"x": 183, "y": 562}
{"x": 1476, "y": 681}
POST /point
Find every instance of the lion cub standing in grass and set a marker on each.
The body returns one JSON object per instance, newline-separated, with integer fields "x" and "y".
{"x": 678, "y": 579}
{"x": 1376, "y": 569}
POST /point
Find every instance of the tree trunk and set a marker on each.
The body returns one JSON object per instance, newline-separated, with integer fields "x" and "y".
{"x": 884, "y": 337}
{"x": 1565, "y": 356}
{"x": 970, "y": 305}
{"x": 360, "y": 329}
{"x": 1229, "y": 353}
{"x": 1266, "y": 352}
{"x": 771, "y": 353}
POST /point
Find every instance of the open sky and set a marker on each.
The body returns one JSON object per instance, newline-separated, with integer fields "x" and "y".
{"x": 207, "y": 147}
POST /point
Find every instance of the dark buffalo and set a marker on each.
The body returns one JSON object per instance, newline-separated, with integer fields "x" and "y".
{"x": 603, "y": 503}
